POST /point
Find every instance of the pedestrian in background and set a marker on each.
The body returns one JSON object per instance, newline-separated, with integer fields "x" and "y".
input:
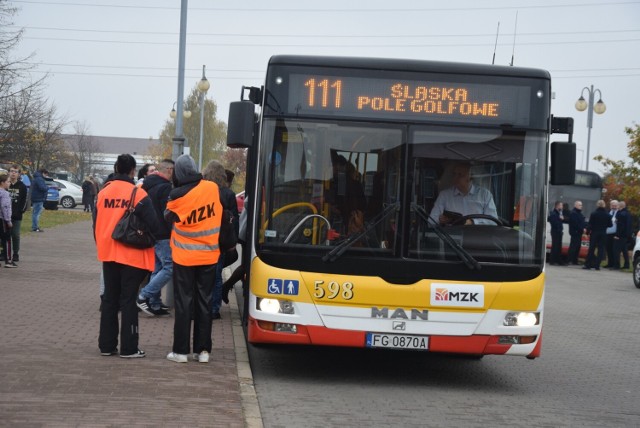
{"x": 38, "y": 197}
{"x": 577, "y": 225}
{"x": 18, "y": 192}
{"x": 5, "y": 220}
{"x": 88, "y": 194}
{"x": 146, "y": 169}
{"x": 556, "y": 219}
{"x": 158, "y": 186}
{"x": 195, "y": 211}
{"x": 599, "y": 221}
{"x": 611, "y": 233}
{"x": 124, "y": 267}
{"x": 621, "y": 238}
{"x": 214, "y": 171}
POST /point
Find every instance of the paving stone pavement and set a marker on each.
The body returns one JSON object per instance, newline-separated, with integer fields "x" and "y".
{"x": 51, "y": 371}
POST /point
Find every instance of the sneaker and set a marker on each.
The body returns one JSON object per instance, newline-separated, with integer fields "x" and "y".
{"x": 138, "y": 354}
{"x": 165, "y": 307}
{"x": 109, "y": 353}
{"x": 216, "y": 316}
{"x": 16, "y": 258}
{"x": 203, "y": 357}
{"x": 178, "y": 358}
{"x": 143, "y": 305}
{"x": 160, "y": 312}
{"x": 10, "y": 265}
{"x": 38, "y": 230}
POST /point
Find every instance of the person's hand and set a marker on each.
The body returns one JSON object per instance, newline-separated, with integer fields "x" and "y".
{"x": 9, "y": 224}
{"x": 444, "y": 219}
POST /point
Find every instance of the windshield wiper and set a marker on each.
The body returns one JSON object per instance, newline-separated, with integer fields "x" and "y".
{"x": 339, "y": 250}
{"x": 463, "y": 254}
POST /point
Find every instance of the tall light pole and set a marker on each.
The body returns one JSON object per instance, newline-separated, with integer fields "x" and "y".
{"x": 203, "y": 87}
{"x": 599, "y": 107}
{"x": 180, "y": 144}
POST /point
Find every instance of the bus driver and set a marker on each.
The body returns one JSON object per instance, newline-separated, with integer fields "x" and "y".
{"x": 464, "y": 198}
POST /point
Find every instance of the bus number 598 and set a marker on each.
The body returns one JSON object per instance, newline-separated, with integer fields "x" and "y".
{"x": 332, "y": 290}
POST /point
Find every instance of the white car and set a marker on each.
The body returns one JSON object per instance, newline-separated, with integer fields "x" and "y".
{"x": 70, "y": 193}
{"x": 636, "y": 262}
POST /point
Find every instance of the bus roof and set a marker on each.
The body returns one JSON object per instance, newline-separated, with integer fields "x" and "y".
{"x": 408, "y": 65}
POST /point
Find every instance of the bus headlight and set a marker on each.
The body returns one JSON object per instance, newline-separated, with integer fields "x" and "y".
{"x": 275, "y": 306}
{"x": 521, "y": 319}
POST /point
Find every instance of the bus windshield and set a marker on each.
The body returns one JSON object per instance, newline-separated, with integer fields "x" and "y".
{"x": 338, "y": 184}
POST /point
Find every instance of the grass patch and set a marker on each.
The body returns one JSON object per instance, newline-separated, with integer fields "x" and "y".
{"x": 50, "y": 218}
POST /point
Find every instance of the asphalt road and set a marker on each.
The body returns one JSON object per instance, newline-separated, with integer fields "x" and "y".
{"x": 588, "y": 375}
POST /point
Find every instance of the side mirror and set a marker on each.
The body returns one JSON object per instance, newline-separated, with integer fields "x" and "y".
{"x": 563, "y": 163}
{"x": 241, "y": 124}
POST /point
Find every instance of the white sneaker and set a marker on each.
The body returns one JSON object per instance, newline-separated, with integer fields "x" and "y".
{"x": 203, "y": 357}
{"x": 178, "y": 358}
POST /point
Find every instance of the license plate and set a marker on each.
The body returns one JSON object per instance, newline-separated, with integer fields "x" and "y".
{"x": 396, "y": 341}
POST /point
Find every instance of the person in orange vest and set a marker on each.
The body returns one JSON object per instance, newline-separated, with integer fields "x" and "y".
{"x": 124, "y": 267}
{"x": 195, "y": 211}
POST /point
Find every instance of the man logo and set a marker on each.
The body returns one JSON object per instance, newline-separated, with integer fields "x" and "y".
{"x": 399, "y": 325}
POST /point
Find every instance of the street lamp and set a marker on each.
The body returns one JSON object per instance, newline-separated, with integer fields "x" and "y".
{"x": 203, "y": 87}
{"x": 185, "y": 113}
{"x": 599, "y": 108}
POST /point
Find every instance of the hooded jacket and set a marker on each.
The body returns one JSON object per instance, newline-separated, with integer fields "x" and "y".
{"x": 195, "y": 211}
{"x": 38, "y": 188}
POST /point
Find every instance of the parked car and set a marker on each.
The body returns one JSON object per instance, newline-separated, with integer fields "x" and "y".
{"x": 70, "y": 193}
{"x": 53, "y": 194}
{"x": 636, "y": 262}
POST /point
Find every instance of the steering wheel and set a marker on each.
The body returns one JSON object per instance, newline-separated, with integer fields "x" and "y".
{"x": 464, "y": 218}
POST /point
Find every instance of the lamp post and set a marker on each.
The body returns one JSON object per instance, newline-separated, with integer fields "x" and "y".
{"x": 203, "y": 87}
{"x": 185, "y": 113}
{"x": 599, "y": 107}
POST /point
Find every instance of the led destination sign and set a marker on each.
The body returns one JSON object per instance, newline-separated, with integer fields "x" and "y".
{"x": 408, "y": 99}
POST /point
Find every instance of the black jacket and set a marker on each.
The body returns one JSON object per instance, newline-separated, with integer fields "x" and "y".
{"x": 623, "y": 224}
{"x": 599, "y": 220}
{"x": 18, "y": 192}
{"x": 577, "y": 222}
{"x": 158, "y": 188}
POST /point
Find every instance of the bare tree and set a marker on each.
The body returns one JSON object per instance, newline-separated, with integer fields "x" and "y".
{"x": 21, "y": 100}
{"x": 84, "y": 150}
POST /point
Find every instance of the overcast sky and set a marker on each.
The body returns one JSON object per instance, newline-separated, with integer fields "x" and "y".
{"x": 113, "y": 63}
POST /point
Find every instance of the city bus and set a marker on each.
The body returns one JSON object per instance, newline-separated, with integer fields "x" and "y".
{"x": 346, "y": 158}
{"x": 587, "y": 187}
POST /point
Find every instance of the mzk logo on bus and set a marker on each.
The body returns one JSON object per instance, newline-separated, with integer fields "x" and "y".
{"x": 469, "y": 295}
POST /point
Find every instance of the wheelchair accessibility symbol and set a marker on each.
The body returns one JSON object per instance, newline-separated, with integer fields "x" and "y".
{"x": 283, "y": 286}
{"x": 275, "y": 286}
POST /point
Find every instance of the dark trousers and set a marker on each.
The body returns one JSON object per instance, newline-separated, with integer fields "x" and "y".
{"x": 15, "y": 237}
{"x": 596, "y": 243}
{"x": 121, "y": 283}
{"x": 192, "y": 288}
{"x": 574, "y": 248}
{"x": 609, "y": 248}
{"x": 556, "y": 247}
{"x": 5, "y": 238}
{"x": 619, "y": 247}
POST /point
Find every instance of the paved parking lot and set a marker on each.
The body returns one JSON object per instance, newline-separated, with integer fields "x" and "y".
{"x": 52, "y": 371}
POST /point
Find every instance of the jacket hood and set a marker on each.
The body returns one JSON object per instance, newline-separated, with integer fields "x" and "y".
{"x": 185, "y": 170}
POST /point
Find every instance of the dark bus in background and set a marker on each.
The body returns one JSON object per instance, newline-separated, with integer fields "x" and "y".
{"x": 588, "y": 189}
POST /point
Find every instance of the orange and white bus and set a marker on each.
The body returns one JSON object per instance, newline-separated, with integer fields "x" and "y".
{"x": 346, "y": 159}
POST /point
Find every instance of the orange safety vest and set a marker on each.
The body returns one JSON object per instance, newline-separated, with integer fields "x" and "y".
{"x": 113, "y": 200}
{"x": 194, "y": 239}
